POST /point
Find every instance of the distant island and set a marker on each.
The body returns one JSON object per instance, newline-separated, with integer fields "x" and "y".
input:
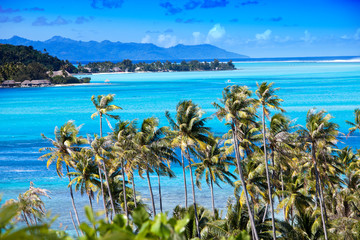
{"x": 23, "y": 66}
{"x": 158, "y": 66}
{"x": 26, "y": 67}
{"x": 79, "y": 51}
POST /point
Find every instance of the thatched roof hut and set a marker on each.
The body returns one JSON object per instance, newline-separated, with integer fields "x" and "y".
{"x": 9, "y": 83}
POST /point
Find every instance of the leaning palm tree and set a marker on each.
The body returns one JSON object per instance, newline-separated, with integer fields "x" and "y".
{"x": 215, "y": 165}
{"x": 100, "y": 148}
{"x": 188, "y": 130}
{"x": 319, "y": 132}
{"x": 234, "y": 106}
{"x": 103, "y": 106}
{"x": 268, "y": 99}
{"x": 355, "y": 126}
{"x": 86, "y": 179}
{"x": 31, "y": 207}
{"x": 124, "y": 149}
{"x": 66, "y": 142}
{"x": 149, "y": 144}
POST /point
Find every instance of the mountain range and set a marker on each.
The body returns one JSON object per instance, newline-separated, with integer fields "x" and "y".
{"x": 72, "y": 50}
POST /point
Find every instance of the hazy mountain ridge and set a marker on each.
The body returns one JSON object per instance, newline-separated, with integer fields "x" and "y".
{"x": 65, "y": 48}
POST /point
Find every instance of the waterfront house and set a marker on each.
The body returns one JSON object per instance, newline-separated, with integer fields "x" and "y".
{"x": 9, "y": 83}
{"x": 40, "y": 83}
{"x": 26, "y": 83}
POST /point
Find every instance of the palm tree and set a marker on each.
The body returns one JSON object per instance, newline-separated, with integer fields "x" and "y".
{"x": 123, "y": 137}
{"x": 319, "y": 132}
{"x": 100, "y": 148}
{"x": 214, "y": 164}
{"x": 85, "y": 177}
{"x": 66, "y": 142}
{"x": 103, "y": 106}
{"x": 149, "y": 142}
{"x": 236, "y": 105}
{"x": 268, "y": 99}
{"x": 355, "y": 126}
{"x": 30, "y": 205}
{"x": 188, "y": 130}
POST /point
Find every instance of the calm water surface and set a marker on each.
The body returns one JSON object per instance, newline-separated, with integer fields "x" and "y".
{"x": 27, "y": 112}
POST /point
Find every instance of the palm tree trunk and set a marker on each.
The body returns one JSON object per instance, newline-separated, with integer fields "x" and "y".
{"x": 109, "y": 190}
{"x": 124, "y": 188}
{"x": 90, "y": 203}
{"x": 72, "y": 197}
{"x": 318, "y": 189}
{"x": 72, "y": 219}
{"x": 267, "y": 174}
{"x": 184, "y": 175}
{"x": 193, "y": 192}
{"x": 103, "y": 193}
{"x": 133, "y": 187}
{"x": 161, "y": 209}
{"x": 100, "y": 125}
{"x": 282, "y": 189}
{"x": 151, "y": 192}
{"x": 237, "y": 155}
{"x": 322, "y": 197}
{"x": 212, "y": 193}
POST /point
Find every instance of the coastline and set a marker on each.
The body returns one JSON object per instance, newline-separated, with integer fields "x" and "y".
{"x": 79, "y": 84}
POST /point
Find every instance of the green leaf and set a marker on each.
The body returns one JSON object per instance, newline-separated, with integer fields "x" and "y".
{"x": 140, "y": 216}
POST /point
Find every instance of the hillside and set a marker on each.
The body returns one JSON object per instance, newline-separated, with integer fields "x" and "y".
{"x": 72, "y": 50}
{"x": 25, "y": 63}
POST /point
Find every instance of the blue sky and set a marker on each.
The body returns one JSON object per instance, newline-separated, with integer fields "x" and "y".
{"x": 257, "y": 28}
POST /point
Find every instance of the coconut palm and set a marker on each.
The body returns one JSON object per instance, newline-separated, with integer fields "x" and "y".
{"x": 123, "y": 137}
{"x": 188, "y": 130}
{"x": 319, "y": 132}
{"x": 214, "y": 164}
{"x": 103, "y": 106}
{"x": 101, "y": 148}
{"x": 268, "y": 99}
{"x": 86, "y": 179}
{"x": 149, "y": 142}
{"x": 234, "y": 106}
{"x": 30, "y": 205}
{"x": 354, "y": 126}
{"x": 66, "y": 142}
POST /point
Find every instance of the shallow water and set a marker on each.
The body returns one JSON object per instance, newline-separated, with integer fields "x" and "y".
{"x": 27, "y": 112}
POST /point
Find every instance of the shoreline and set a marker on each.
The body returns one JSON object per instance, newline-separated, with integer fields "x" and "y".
{"x": 78, "y": 84}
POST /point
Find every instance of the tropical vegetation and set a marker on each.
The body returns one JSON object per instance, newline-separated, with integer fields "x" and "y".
{"x": 290, "y": 181}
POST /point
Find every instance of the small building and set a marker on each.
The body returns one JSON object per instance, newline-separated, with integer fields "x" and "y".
{"x": 26, "y": 83}
{"x": 9, "y": 83}
{"x": 62, "y": 73}
{"x": 40, "y": 83}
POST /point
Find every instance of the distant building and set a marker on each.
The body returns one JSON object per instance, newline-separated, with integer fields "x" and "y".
{"x": 62, "y": 73}
{"x": 26, "y": 83}
{"x": 40, "y": 83}
{"x": 9, "y": 83}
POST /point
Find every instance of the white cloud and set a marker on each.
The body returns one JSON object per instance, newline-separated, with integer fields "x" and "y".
{"x": 280, "y": 39}
{"x": 197, "y": 37}
{"x": 263, "y": 36}
{"x": 167, "y": 40}
{"x": 146, "y": 39}
{"x": 216, "y": 33}
{"x": 308, "y": 37}
{"x": 357, "y": 34}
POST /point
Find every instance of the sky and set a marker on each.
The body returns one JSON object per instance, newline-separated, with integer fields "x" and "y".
{"x": 257, "y": 28}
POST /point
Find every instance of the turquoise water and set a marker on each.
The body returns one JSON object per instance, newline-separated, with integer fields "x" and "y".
{"x": 27, "y": 112}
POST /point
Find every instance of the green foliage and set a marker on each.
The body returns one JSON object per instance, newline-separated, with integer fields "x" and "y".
{"x": 67, "y": 80}
{"x": 127, "y": 66}
{"x": 142, "y": 227}
{"x": 24, "y": 63}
